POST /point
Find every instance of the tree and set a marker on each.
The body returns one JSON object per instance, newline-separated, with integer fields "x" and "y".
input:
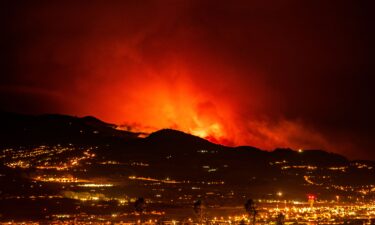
{"x": 140, "y": 206}
{"x": 198, "y": 209}
{"x": 280, "y": 219}
{"x": 251, "y": 210}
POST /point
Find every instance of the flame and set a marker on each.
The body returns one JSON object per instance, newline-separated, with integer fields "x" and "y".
{"x": 206, "y": 131}
{"x": 170, "y": 99}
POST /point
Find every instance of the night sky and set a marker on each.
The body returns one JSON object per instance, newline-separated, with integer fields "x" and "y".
{"x": 269, "y": 74}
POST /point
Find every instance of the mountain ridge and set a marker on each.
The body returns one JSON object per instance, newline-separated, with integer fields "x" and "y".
{"x": 62, "y": 127}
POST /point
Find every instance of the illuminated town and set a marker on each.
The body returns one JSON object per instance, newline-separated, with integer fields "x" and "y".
{"x": 96, "y": 188}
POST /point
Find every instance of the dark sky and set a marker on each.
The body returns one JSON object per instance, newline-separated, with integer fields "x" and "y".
{"x": 263, "y": 73}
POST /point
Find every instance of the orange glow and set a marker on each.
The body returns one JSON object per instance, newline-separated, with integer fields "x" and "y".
{"x": 175, "y": 96}
{"x": 170, "y": 100}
